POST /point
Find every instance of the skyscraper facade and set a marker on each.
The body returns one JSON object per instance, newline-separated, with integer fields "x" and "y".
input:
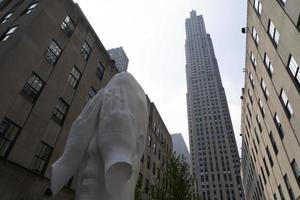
{"x": 270, "y": 107}
{"x": 120, "y": 58}
{"x": 215, "y": 159}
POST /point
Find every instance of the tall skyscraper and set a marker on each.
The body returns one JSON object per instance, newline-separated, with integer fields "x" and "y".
{"x": 120, "y": 58}
{"x": 270, "y": 109}
{"x": 180, "y": 148}
{"x": 215, "y": 159}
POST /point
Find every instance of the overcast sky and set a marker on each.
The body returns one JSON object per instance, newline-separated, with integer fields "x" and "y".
{"x": 152, "y": 33}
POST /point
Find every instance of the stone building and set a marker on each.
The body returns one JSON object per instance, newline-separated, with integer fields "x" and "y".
{"x": 270, "y": 106}
{"x": 214, "y": 154}
{"x": 51, "y": 64}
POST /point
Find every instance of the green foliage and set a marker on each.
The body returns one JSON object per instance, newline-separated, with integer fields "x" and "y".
{"x": 176, "y": 182}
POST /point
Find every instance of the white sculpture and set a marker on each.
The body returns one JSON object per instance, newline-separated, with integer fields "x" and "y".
{"x": 106, "y": 143}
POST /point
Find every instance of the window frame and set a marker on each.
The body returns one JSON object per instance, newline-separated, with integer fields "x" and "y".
{"x": 274, "y": 33}
{"x": 286, "y": 105}
{"x": 10, "y": 31}
{"x": 30, "y": 8}
{"x": 68, "y": 26}
{"x": 41, "y": 157}
{"x": 72, "y": 77}
{"x": 296, "y": 171}
{"x": 89, "y": 97}
{"x": 255, "y": 36}
{"x": 84, "y": 51}
{"x": 6, "y": 17}
{"x": 294, "y": 71}
{"x": 268, "y": 65}
{"x": 57, "y": 111}
{"x": 8, "y": 139}
{"x": 279, "y": 126}
{"x": 31, "y": 92}
{"x": 52, "y": 54}
{"x": 264, "y": 89}
{"x": 100, "y": 70}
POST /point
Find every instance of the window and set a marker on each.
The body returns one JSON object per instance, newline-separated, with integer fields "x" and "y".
{"x": 33, "y": 87}
{"x": 281, "y": 192}
{"x": 273, "y": 143}
{"x": 253, "y": 60}
{"x": 258, "y": 6}
{"x": 6, "y": 17}
{"x": 258, "y": 122}
{"x": 8, "y": 33}
{"x": 8, "y": 135}
{"x": 251, "y": 79}
{"x": 264, "y": 88}
{"x": 286, "y": 103}
{"x": 289, "y": 187}
{"x": 41, "y": 158}
{"x": 153, "y": 168}
{"x": 273, "y": 33}
{"x": 268, "y": 64}
{"x": 154, "y": 149}
{"x": 294, "y": 70}
{"x": 53, "y": 52}
{"x": 296, "y": 171}
{"x": 255, "y": 35}
{"x": 250, "y": 96}
{"x": 269, "y": 156}
{"x": 149, "y": 141}
{"x": 91, "y": 94}
{"x": 261, "y": 107}
{"x": 266, "y": 167}
{"x": 283, "y": 1}
{"x": 100, "y": 70}
{"x": 60, "y": 111}
{"x": 68, "y": 26}
{"x": 148, "y": 162}
{"x": 85, "y": 50}
{"x": 30, "y": 8}
{"x": 74, "y": 77}
{"x": 279, "y": 126}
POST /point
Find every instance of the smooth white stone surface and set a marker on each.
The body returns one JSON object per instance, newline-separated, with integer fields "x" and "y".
{"x": 106, "y": 143}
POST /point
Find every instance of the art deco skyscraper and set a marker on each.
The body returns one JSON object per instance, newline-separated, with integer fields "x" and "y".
{"x": 215, "y": 159}
{"x": 270, "y": 109}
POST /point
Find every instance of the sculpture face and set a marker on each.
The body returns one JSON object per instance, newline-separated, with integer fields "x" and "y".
{"x": 106, "y": 143}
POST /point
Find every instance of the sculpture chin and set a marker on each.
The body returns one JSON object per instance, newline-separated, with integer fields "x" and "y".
{"x": 117, "y": 176}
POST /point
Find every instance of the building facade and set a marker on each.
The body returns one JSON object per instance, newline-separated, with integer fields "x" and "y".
{"x": 51, "y": 64}
{"x": 120, "y": 58}
{"x": 157, "y": 152}
{"x": 215, "y": 159}
{"x": 270, "y": 106}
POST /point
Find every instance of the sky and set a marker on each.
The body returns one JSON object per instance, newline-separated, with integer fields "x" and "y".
{"x": 152, "y": 33}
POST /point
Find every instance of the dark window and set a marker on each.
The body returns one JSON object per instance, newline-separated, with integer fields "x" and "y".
{"x": 273, "y": 143}
{"x": 253, "y": 60}
{"x": 294, "y": 70}
{"x": 53, "y": 52}
{"x": 269, "y": 156}
{"x": 258, "y": 122}
{"x": 258, "y": 6}
{"x": 286, "y": 103}
{"x": 85, "y": 50}
{"x": 289, "y": 187}
{"x": 273, "y": 33}
{"x": 281, "y": 192}
{"x": 41, "y": 158}
{"x": 91, "y": 94}
{"x": 261, "y": 107}
{"x": 149, "y": 141}
{"x": 60, "y": 111}
{"x": 8, "y": 33}
{"x": 148, "y": 162}
{"x": 68, "y": 26}
{"x": 298, "y": 24}
{"x": 255, "y": 35}
{"x": 268, "y": 64}
{"x": 279, "y": 126}
{"x": 30, "y": 8}
{"x": 8, "y": 135}
{"x": 100, "y": 70}
{"x": 251, "y": 79}
{"x": 264, "y": 88}
{"x": 6, "y": 17}
{"x": 33, "y": 87}
{"x": 296, "y": 171}
{"x": 283, "y": 2}
{"x": 153, "y": 168}
{"x": 74, "y": 77}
